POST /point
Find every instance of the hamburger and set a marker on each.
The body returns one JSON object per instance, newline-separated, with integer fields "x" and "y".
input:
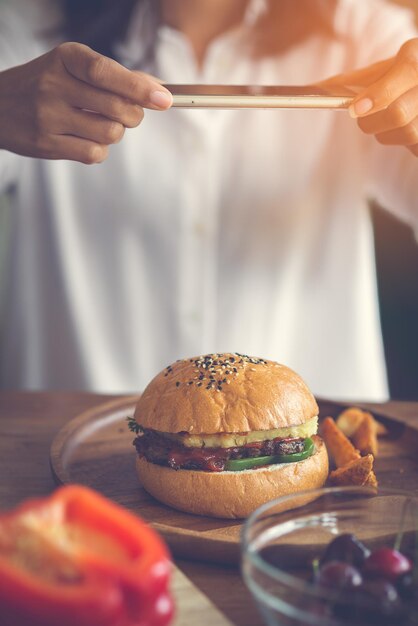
{"x": 220, "y": 434}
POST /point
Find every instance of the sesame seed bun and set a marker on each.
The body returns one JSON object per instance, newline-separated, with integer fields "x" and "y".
{"x": 232, "y": 494}
{"x": 225, "y": 393}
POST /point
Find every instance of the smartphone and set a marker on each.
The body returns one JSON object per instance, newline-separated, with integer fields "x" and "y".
{"x": 260, "y": 96}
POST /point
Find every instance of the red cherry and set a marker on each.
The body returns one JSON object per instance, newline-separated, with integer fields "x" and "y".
{"x": 338, "y": 575}
{"x": 386, "y": 563}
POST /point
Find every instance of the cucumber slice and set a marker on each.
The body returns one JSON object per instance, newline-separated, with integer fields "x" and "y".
{"x": 237, "y": 465}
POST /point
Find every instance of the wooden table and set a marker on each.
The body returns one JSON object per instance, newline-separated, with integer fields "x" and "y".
{"x": 28, "y": 423}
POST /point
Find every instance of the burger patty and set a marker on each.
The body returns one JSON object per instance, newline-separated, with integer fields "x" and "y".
{"x": 156, "y": 448}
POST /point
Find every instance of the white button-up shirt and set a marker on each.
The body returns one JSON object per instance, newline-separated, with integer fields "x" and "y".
{"x": 207, "y": 231}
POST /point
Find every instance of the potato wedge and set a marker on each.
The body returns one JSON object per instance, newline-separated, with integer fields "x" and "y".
{"x": 371, "y": 480}
{"x": 349, "y": 420}
{"x": 381, "y": 430}
{"x": 365, "y": 438}
{"x": 356, "y": 472}
{"x": 338, "y": 445}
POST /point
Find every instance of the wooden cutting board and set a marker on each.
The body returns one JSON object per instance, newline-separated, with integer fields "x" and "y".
{"x": 95, "y": 449}
{"x": 192, "y": 606}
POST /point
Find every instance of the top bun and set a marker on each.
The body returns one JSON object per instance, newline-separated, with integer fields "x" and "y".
{"x": 225, "y": 393}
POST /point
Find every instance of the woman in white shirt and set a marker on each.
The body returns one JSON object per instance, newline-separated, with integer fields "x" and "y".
{"x": 200, "y": 231}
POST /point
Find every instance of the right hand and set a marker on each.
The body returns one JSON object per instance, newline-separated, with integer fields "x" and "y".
{"x": 72, "y": 103}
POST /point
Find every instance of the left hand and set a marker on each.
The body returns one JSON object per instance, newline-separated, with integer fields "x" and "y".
{"x": 387, "y": 102}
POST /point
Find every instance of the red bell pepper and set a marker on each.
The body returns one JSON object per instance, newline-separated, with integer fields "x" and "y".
{"x": 77, "y": 559}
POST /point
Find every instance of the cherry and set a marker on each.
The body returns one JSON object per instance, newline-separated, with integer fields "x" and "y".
{"x": 346, "y": 548}
{"x": 386, "y": 563}
{"x": 338, "y": 575}
{"x": 378, "y": 602}
{"x": 366, "y": 587}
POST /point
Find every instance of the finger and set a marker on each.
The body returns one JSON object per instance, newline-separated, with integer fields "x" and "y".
{"x": 405, "y": 136}
{"x": 74, "y": 149}
{"x": 83, "y": 96}
{"x": 402, "y": 76}
{"x": 398, "y": 114}
{"x": 94, "y": 127}
{"x": 99, "y": 71}
{"x": 414, "y": 149}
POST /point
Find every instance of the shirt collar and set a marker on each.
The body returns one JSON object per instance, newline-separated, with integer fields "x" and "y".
{"x": 138, "y": 46}
{"x": 136, "y": 50}
{"x": 254, "y": 11}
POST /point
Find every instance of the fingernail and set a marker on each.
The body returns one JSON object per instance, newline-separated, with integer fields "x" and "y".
{"x": 361, "y": 107}
{"x": 161, "y": 99}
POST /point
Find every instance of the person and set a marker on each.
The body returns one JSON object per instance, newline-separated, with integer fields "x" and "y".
{"x": 199, "y": 231}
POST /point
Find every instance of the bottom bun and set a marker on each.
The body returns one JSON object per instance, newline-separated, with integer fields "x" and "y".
{"x": 232, "y": 494}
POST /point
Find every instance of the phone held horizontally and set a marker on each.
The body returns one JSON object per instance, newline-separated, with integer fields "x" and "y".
{"x": 260, "y": 96}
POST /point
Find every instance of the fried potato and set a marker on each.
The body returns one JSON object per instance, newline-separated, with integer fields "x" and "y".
{"x": 365, "y": 438}
{"x": 349, "y": 420}
{"x": 371, "y": 480}
{"x": 356, "y": 472}
{"x": 338, "y": 445}
{"x": 381, "y": 430}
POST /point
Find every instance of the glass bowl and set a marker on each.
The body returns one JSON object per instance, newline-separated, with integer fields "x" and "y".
{"x": 283, "y": 540}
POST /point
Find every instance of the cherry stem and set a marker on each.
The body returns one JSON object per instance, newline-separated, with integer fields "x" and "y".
{"x": 399, "y": 536}
{"x": 315, "y": 568}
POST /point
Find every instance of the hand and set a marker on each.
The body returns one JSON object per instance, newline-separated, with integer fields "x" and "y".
{"x": 387, "y": 104}
{"x": 72, "y": 103}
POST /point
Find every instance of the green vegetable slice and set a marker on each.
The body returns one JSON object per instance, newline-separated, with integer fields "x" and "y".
{"x": 236, "y": 465}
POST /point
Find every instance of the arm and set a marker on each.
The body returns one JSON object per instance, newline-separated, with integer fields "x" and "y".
{"x": 72, "y": 103}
